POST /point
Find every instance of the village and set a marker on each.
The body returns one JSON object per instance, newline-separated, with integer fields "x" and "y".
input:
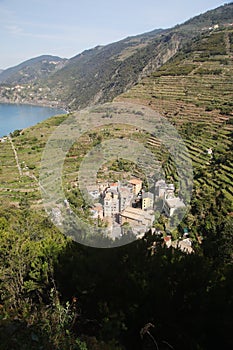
{"x": 128, "y": 205}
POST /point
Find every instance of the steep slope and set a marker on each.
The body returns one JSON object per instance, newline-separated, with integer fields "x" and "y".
{"x": 101, "y": 74}
{"x": 31, "y": 70}
{"x": 221, "y": 15}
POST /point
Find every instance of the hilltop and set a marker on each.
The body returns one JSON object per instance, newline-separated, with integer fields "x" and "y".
{"x": 31, "y": 70}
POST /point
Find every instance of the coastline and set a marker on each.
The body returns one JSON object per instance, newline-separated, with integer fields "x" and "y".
{"x": 42, "y": 103}
{"x": 11, "y": 121}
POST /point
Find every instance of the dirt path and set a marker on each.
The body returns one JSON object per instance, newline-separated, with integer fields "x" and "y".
{"x": 16, "y": 156}
{"x": 227, "y": 43}
{"x": 32, "y": 176}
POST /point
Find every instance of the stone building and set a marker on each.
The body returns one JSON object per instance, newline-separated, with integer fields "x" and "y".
{"x": 137, "y": 217}
{"x": 111, "y": 203}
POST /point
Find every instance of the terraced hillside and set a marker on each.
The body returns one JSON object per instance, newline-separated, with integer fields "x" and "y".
{"x": 194, "y": 90}
{"x": 20, "y": 158}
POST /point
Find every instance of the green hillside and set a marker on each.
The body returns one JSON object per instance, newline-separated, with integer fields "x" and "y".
{"x": 34, "y": 69}
{"x": 18, "y": 186}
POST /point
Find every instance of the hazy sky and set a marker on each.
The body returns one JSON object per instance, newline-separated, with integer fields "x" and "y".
{"x": 29, "y": 28}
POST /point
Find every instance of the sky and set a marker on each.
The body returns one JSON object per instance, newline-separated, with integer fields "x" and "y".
{"x": 30, "y": 28}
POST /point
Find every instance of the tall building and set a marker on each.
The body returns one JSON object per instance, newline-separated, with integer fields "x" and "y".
{"x": 111, "y": 203}
{"x": 160, "y": 188}
{"x": 147, "y": 200}
{"x": 167, "y": 193}
{"x": 126, "y": 196}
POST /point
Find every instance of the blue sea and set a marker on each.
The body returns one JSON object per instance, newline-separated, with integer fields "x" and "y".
{"x": 15, "y": 116}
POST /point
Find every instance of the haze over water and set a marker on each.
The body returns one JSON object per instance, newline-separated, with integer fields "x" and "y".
{"x": 14, "y": 116}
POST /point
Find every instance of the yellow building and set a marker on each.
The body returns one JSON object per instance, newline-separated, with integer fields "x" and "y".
{"x": 147, "y": 200}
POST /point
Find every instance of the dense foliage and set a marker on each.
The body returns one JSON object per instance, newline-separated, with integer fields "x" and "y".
{"x": 56, "y": 294}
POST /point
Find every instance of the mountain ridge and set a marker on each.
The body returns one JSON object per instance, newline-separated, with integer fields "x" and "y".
{"x": 100, "y": 74}
{"x": 31, "y": 69}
